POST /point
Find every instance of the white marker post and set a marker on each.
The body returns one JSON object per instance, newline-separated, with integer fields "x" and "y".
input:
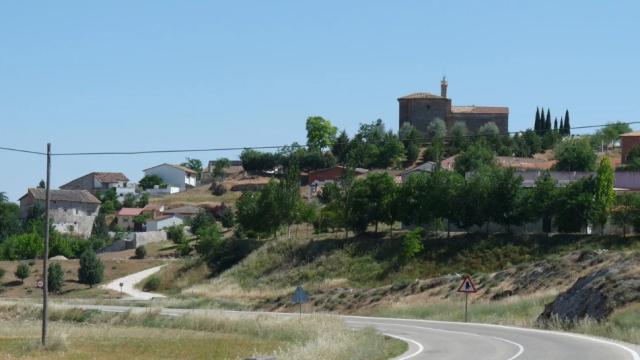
{"x": 467, "y": 287}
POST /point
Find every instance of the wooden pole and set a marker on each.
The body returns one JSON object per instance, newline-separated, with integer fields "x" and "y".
{"x": 45, "y": 256}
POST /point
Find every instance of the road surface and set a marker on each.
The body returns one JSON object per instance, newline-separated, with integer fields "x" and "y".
{"x": 129, "y": 281}
{"x": 449, "y": 340}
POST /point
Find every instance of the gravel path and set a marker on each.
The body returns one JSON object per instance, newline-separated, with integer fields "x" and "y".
{"x": 130, "y": 280}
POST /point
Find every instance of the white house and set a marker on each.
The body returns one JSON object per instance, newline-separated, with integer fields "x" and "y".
{"x": 174, "y": 175}
{"x": 161, "y": 222}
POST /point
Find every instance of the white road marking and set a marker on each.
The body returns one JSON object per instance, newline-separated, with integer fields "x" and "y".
{"x": 416, "y": 353}
{"x": 519, "y": 346}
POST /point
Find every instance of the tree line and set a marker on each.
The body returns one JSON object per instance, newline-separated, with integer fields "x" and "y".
{"x": 489, "y": 195}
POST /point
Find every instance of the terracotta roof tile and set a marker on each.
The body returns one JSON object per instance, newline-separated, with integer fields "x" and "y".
{"x": 81, "y": 196}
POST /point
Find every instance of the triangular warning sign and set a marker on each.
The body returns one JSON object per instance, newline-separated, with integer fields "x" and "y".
{"x": 467, "y": 285}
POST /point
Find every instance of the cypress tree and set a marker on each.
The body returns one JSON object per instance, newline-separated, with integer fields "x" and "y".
{"x": 536, "y": 127}
{"x": 567, "y": 125}
{"x": 547, "y": 124}
{"x": 555, "y": 124}
{"x": 561, "y": 126}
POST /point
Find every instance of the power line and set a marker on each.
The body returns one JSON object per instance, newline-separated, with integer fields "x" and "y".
{"x": 22, "y": 150}
{"x": 422, "y": 140}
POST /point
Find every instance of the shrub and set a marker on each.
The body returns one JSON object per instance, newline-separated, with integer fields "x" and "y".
{"x": 24, "y": 246}
{"x": 23, "y": 271}
{"x": 184, "y": 249}
{"x": 151, "y": 284}
{"x": 201, "y": 221}
{"x": 412, "y": 244}
{"x": 55, "y": 279}
{"x": 91, "y": 269}
{"x": 141, "y": 252}
{"x": 227, "y": 218}
{"x": 175, "y": 233}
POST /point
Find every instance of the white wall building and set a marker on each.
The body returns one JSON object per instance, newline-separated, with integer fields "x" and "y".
{"x": 174, "y": 175}
{"x": 162, "y": 222}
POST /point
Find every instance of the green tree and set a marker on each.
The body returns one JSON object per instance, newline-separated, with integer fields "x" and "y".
{"x": 575, "y": 155}
{"x": 9, "y": 218}
{"x": 201, "y": 220}
{"x": 605, "y": 196}
{"x": 227, "y": 218}
{"x": 547, "y": 123}
{"x": 506, "y": 198}
{"x": 459, "y": 137}
{"x": 129, "y": 201}
{"x": 91, "y": 269}
{"x": 219, "y": 168}
{"x": 23, "y": 271}
{"x": 195, "y": 165}
{"x": 543, "y": 200}
{"x": 175, "y": 233}
{"x": 143, "y": 200}
{"x": 391, "y": 152}
{"x": 575, "y": 205}
{"x": 472, "y": 201}
{"x": 380, "y": 189}
{"x": 567, "y": 125}
{"x": 55, "y": 278}
{"x": 150, "y": 181}
{"x": 412, "y": 244}
{"x": 42, "y": 184}
{"x": 474, "y": 158}
{"x": 536, "y": 126}
{"x": 22, "y": 246}
{"x": 340, "y": 147}
{"x": 489, "y": 132}
{"x": 320, "y": 133}
{"x": 626, "y": 211}
{"x": 247, "y": 213}
{"x": 437, "y": 129}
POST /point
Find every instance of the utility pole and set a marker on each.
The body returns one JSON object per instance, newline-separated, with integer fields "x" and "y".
{"x": 45, "y": 257}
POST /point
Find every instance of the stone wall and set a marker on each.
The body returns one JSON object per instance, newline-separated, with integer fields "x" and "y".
{"x": 144, "y": 238}
{"x": 421, "y": 112}
{"x": 475, "y": 121}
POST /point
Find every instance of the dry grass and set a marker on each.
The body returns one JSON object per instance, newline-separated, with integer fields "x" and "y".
{"x": 147, "y": 335}
{"x": 197, "y": 196}
{"x": 113, "y": 269}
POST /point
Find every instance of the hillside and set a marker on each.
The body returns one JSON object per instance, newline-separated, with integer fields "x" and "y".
{"x": 517, "y": 276}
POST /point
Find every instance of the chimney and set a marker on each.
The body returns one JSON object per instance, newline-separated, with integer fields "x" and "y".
{"x": 443, "y": 87}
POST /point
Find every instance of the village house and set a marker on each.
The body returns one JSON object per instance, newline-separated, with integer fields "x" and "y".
{"x": 96, "y": 182}
{"x": 184, "y": 212}
{"x": 318, "y": 178}
{"x": 628, "y": 141}
{"x": 71, "y": 211}
{"x": 163, "y": 221}
{"x": 174, "y": 175}
{"x": 125, "y": 218}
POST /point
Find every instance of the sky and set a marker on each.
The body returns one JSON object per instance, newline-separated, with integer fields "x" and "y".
{"x": 123, "y": 75}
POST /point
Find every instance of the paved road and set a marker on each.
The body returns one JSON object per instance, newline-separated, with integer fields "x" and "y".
{"x": 129, "y": 281}
{"x": 448, "y": 340}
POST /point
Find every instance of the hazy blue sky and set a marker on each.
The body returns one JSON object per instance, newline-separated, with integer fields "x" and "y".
{"x": 128, "y": 75}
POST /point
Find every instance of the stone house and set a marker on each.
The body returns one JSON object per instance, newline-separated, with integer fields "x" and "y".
{"x": 125, "y": 218}
{"x": 71, "y": 211}
{"x": 421, "y": 109}
{"x": 96, "y": 182}
{"x": 174, "y": 175}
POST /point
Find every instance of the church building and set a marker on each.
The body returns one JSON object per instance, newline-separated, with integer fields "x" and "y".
{"x": 420, "y": 109}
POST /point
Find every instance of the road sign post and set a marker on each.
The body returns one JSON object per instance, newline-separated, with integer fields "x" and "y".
{"x": 299, "y": 297}
{"x": 467, "y": 287}
{"x": 121, "y": 285}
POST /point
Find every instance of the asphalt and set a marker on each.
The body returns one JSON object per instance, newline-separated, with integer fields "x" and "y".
{"x": 450, "y": 340}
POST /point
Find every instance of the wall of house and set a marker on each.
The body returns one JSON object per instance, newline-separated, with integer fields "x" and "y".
{"x": 144, "y": 238}
{"x": 158, "y": 225}
{"x": 170, "y": 175}
{"x": 421, "y": 112}
{"x": 628, "y": 142}
{"x": 126, "y": 222}
{"x": 475, "y": 121}
{"x": 324, "y": 175}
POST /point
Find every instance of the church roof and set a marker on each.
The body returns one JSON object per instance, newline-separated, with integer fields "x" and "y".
{"x": 479, "y": 110}
{"x": 420, "y": 95}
